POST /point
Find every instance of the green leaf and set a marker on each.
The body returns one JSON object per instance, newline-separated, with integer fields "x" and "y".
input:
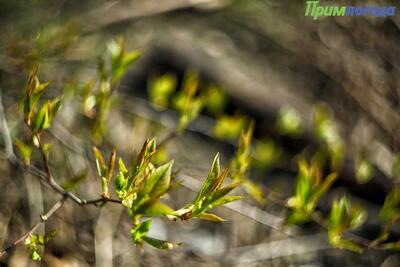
{"x": 254, "y": 191}
{"x": 322, "y": 189}
{"x": 392, "y": 245}
{"x": 216, "y": 100}
{"x": 24, "y": 150}
{"x": 337, "y": 242}
{"x": 242, "y": 159}
{"x": 161, "y": 89}
{"x": 297, "y": 217}
{"x": 122, "y": 166}
{"x": 34, "y": 254}
{"x": 138, "y": 232}
{"x": 225, "y": 200}
{"x": 364, "y": 171}
{"x": 121, "y": 181}
{"x": 40, "y": 87}
{"x": 338, "y": 213}
{"x": 390, "y": 210}
{"x": 210, "y": 217}
{"x": 105, "y": 172}
{"x": 223, "y": 192}
{"x": 158, "y": 180}
{"x": 157, "y": 209}
{"x": 210, "y": 180}
{"x": 146, "y": 153}
{"x": 163, "y": 183}
{"x": 267, "y": 154}
{"x": 55, "y": 106}
{"x": 42, "y": 119}
{"x": 229, "y": 127}
{"x": 101, "y": 166}
{"x": 131, "y": 57}
{"x": 161, "y": 244}
{"x": 289, "y": 121}
{"x": 396, "y": 168}
{"x": 357, "y": 217}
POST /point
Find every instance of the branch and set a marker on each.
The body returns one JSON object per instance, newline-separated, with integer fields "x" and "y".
{"x": 6, "y": 134}
{"x": 43, "y": 217}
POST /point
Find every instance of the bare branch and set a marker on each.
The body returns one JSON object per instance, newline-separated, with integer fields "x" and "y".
{"x": 43, "y": 217}
{"x": 6, "y": 134}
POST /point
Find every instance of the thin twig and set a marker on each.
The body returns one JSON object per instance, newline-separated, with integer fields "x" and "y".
{"x": 43, "y": 217}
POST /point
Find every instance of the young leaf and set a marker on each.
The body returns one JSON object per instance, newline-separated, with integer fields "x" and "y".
{"x": 322, "y": 189}
{"x": 289, "y": 122}
{"x": 42, "y": 120}
{"x": 396, "y": 168}
{"x": 157, "y": 209}
{"x": 211, "y": 177}
{"x": 210, "y": 217}
{"x": 158, "y": 181}
{"x": 161, "y": 244}
{"x": 364, "y": 171}
{"x": 225, "y": 200}
{"x": 391, "y": 207}
{"x": 229, "y": 127}
{"x": 161, "y": 89}
{"x": 139, "y": 231}
{"x": 25, "y": 150}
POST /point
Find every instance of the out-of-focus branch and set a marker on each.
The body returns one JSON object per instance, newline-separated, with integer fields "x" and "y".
{"x": 6, "y": 134}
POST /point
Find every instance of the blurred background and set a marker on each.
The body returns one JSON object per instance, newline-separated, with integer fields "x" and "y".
{"x": 315, "y": 88}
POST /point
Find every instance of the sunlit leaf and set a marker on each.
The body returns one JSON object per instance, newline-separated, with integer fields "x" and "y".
{"x": 364, "y": 171}
{"x": 229, "y": 127}
{"x": 210, "y": 217}
{"x": 289, "y": 121}
{"x": 161, "y": 89}
{"x": 139, "y": 231}
{"x": 211, "y": 177}
{"x": 391, "y": 206}
{"x": 216, "y": 99}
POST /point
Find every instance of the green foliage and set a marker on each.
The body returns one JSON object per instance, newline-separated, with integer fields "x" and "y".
{"x": 34, "y": 242}
{"x": 241, "y": 162}
{"x": 120, "y": 59}
{"x": 216, "y": 100}
{"x": 326, "y": 131}
{"x": 310, "y": 187}
{"x": 161, "y": 89}
{"x": 289, "y": 122}
{"x": 38, "y": 118}
{"x": 139, "y": 235}
{"x": 187, "y": 103}
{"x": 25, "y": 150}
{"x": 344, "y": 217}
{"x": 391, "y": 207}
{"x": 141, "y": 186}
{"x": 229, "y": 127}
{"x": 105, "y": 171}
{"x": 97, "y": 94}
{"x": 364, "y": 170}
{"x": 396, "y": 168}
{"x": 211, "y": 195}
{"x": 267, "y": 154}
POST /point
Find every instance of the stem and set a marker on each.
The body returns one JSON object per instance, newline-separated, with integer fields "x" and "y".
{"x": 43, "y": 217}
